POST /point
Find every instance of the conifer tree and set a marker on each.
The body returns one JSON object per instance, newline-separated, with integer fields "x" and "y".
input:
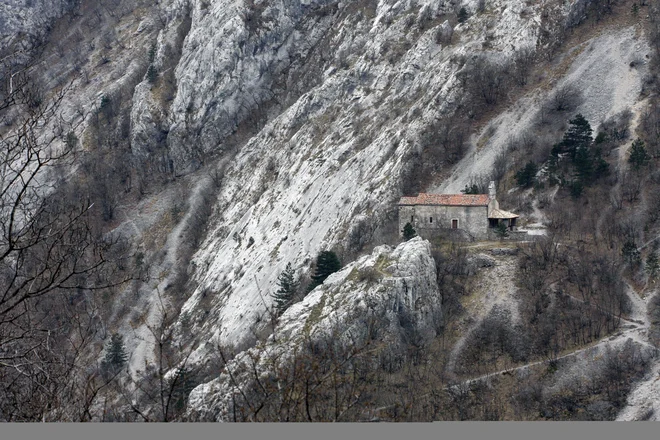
{"x": 408, "y": 232}
{"x": 184, "y": 382}
{"x": 115, "y": 354}
{"x": 526, "y": 176}
{"x": 327, "y": 263}
{"x": 578, "y": 135}
{"x": 287, "y": 288}
{"x": 638, "y": 155}
{"x": 462, "y": 15}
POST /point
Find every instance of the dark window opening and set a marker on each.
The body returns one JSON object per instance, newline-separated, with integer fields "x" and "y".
{"x": 454, "y": 224}
{"x": 430, "y": 219}
{"x": 412, "y": 219}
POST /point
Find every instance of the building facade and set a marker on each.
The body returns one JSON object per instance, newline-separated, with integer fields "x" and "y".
{"x": 475, "y": 216}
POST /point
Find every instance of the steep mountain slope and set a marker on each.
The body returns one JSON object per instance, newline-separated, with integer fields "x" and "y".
{"x": 607, "y": 71}
{"x": 325, "y": 173}
{"x": 249, "y": 134}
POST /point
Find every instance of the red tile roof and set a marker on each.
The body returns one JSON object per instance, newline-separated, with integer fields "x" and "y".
{"x": 446, "y": 199}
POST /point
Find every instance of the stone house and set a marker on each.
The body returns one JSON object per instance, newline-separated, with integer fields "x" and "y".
{"x": 474, "y": 216}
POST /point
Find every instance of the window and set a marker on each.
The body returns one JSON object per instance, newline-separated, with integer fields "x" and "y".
{"x": 454, "y": 223}
{"x": 430, "y": 219}
{"x": 412, "y": 219}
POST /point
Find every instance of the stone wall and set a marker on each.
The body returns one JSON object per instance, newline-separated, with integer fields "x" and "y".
{"x": 428, "y": 221}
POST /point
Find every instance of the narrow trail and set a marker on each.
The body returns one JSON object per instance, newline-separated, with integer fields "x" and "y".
{"x": 636, "y": 333}
{"x": 637, "y": 328}
{"x": 644, "y": 400}
{"x": 620, "y": 338}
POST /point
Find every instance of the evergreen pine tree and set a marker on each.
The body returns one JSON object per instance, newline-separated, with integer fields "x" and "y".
{"x": 630, "y": 252}
{"x": 579, "y": 134}
{"x": 576, "y": 188}
{"x": 115, "y": 354}
{"x": 527, "y": 175}
{"x": 287, "y": 288}
{"x": 152, "y": 74}
{"x": 638, "y": 155}
{"x": 185, "y": 383}
{"x": 601, "y": 167}
{"x": 408, "y": 232}
{"x": 326, "y": 264}
{"x": 584, "y": 164}
{"x": 471, "y": 189}
{"x": 462, "y": 15}
{"x": 501, "y": 230}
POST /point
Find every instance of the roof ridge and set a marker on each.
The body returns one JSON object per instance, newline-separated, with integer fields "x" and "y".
{"x": 447, "y": 199}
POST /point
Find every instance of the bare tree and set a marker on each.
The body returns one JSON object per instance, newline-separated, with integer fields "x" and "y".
{"x": 51, "y": 257}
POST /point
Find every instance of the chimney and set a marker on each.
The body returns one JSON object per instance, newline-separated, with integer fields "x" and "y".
{"x": 492, "y": 191}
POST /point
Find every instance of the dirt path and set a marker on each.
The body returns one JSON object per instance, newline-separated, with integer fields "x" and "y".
{"x": 620, "y": 338}
{"x": 636, "y": 329}
{"x": 644, "y": 400}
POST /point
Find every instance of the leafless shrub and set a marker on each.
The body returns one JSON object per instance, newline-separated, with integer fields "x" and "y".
{"x": 523, "y": 61}
{"x": 485, "y": 79}
{"x": 617, "y": 127}
{"x": 566, "y": 98}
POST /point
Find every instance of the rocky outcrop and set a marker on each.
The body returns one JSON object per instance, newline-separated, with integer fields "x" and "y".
{"x": 389, "y": 297}
{"x": 23, "y": 20}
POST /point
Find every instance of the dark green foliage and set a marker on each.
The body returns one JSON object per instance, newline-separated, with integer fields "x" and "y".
{"x": 115, "y": 354}
{"x": 585, "y": 154}
{"x": 639, "y": 157}
{"x": 462, "y": 15}
{"x": 105, "y": 101}
{"x": 408, "y": 232}
{"x": 152, "y": 74}
{"x": 71, "y": 140}
{"x": 576, "y": 187}
{"x": 601, "y": 167}
{"x": 602, "y": 137}
{"x": 630, "y": 252}
{"x": 583, "y": 162}
{"x": 152, "y": 53}
{"x": 471, "y": 189}
{"x": 326, "y": 264}
{"x": 527, "y": 175}
{"x": 182, "y": 384}
{"x": 579, "y": 134}
{"x": 589, "y": 164}
{"x": 501, "y": 230}
{"x": 287, "y": 289}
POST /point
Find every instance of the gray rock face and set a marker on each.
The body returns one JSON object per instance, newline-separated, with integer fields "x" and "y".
{"x": 28, "y": 17}
{"x": 390, "y": 296}
{"x": 345, "y": 91}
